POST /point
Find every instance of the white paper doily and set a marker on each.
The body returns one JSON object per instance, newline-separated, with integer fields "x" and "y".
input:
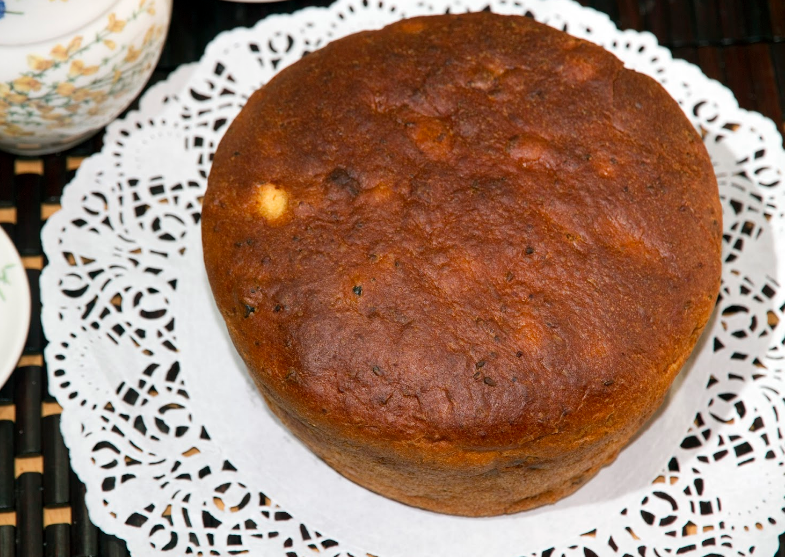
{"x": 135, "y": 407}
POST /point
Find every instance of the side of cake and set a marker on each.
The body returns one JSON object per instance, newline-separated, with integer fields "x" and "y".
{"x": 464, "y": 256}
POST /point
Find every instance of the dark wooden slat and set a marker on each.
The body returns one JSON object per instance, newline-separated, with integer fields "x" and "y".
{"x": 777, "y": 19}
{"x": 778, "y": 59}
{"x": 69, "y": 176}
{"x": 56, "y": 469}
{"x": 737, "y": 72}
{"x": 688, "y": 53}
{"x": 46, "y": 394}
{"x": 181, "y": 45}
{"x": 682, "y": 27}
{"x": 193, "y": 27}
{"x": 28, "y": 214}
{"x": 28, "y": 411}
{"x": 97, "y": 142}
{"x": 609, "y": 7}
{"x": 707, "y": 21}
{"x": 35, "y": 336}
{"x": 6, "y": 179}
{"x": 7, "y": 487}
{"x": 83, "y": 149}
{"x": 757, "y": 20}
{"x": 781, "y": 552}
{"x": 84, "y": 535}
{"x": 113, "y": 547}
{"x": 8, "y": 228}
{"x": 711, "y": 62}
{"x": 764, "y": 81}
{"x": 732, "y": 21}
{"x": 54, "y": 177}
{"x": 233, "y": 16}
{"x": 30, "y": 515}
{"x": 7, "y": 540}
{"x": 657, "y": 20}
{"x": 7, "y": 392}
{"x": 630, "y": 15}
{"x": 58, "y": 540}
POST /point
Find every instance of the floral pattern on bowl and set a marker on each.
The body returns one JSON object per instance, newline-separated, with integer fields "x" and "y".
{"x": 62, "y": 91}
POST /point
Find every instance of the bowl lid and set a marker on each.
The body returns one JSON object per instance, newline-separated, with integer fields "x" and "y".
{"x": 24, "y": 22}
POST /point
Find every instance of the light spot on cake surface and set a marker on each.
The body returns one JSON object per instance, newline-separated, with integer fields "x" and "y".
{"x": 527, "y": 148}
{"x": 483, "y": 79}
{"x": 432, "y": 137}
{"x": 380, "y": 193}
{"x": 273, "y": 202}
{"x": 582, "y": 64}
{"x": 604, "y": 165}
{"x": 579, "y": 70}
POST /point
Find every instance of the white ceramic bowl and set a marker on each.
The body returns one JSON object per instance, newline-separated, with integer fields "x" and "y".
{"x": 69, "y": 67}
{"x": 14, "y": 307}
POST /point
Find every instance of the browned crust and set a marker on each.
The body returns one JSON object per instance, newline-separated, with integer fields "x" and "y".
{"x": 535, "y": 231}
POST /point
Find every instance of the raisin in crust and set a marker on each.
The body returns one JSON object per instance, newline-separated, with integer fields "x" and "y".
{"x": 463, "y": 257}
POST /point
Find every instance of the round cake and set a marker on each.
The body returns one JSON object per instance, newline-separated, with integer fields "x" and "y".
{"x": 463, "y": 257}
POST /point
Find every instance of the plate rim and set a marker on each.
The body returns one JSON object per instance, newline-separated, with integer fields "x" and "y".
{"x": 21, "y": 321}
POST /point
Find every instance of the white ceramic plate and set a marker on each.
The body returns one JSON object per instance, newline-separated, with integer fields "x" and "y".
{"x": 14, "y": 307}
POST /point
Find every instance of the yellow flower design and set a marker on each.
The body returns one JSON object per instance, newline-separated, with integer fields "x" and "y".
{"x": 74, "y": 45}
{"x": 59, "y": 53}
{"x": 148, "y": 36}
{"x": 116, "y": 77}
{"x": 80, "y": 94}
{"x": 25, "y": 84}
{"x": 111, "y": 45}
{"x": 38, "y": 63}
{"x": 62, "y": 53}
{"x": 115, "y": 25}
{"x": 150, "y": 9}
{"x": 43, "y": 108}
{"x": 15, "y": 130}
{"x": 99, "y": 96}
{"x": 16, "y": 98}
{"x": 65, "y": 89}
{"x": 60, "y": 122}
{"x": 78, "y": 68}
{"x": 5, "y": 89}
{"x": 133, "y": 54}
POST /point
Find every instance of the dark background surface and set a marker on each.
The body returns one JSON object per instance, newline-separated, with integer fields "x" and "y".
{"x": 741, "y": 43}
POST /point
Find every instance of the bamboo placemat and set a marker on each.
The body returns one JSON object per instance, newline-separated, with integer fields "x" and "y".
{"x": 740, "y": 43}
{"x": 42, "y": 509}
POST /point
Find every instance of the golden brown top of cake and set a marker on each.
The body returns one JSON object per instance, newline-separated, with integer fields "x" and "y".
{"x": 468, "y": 230}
